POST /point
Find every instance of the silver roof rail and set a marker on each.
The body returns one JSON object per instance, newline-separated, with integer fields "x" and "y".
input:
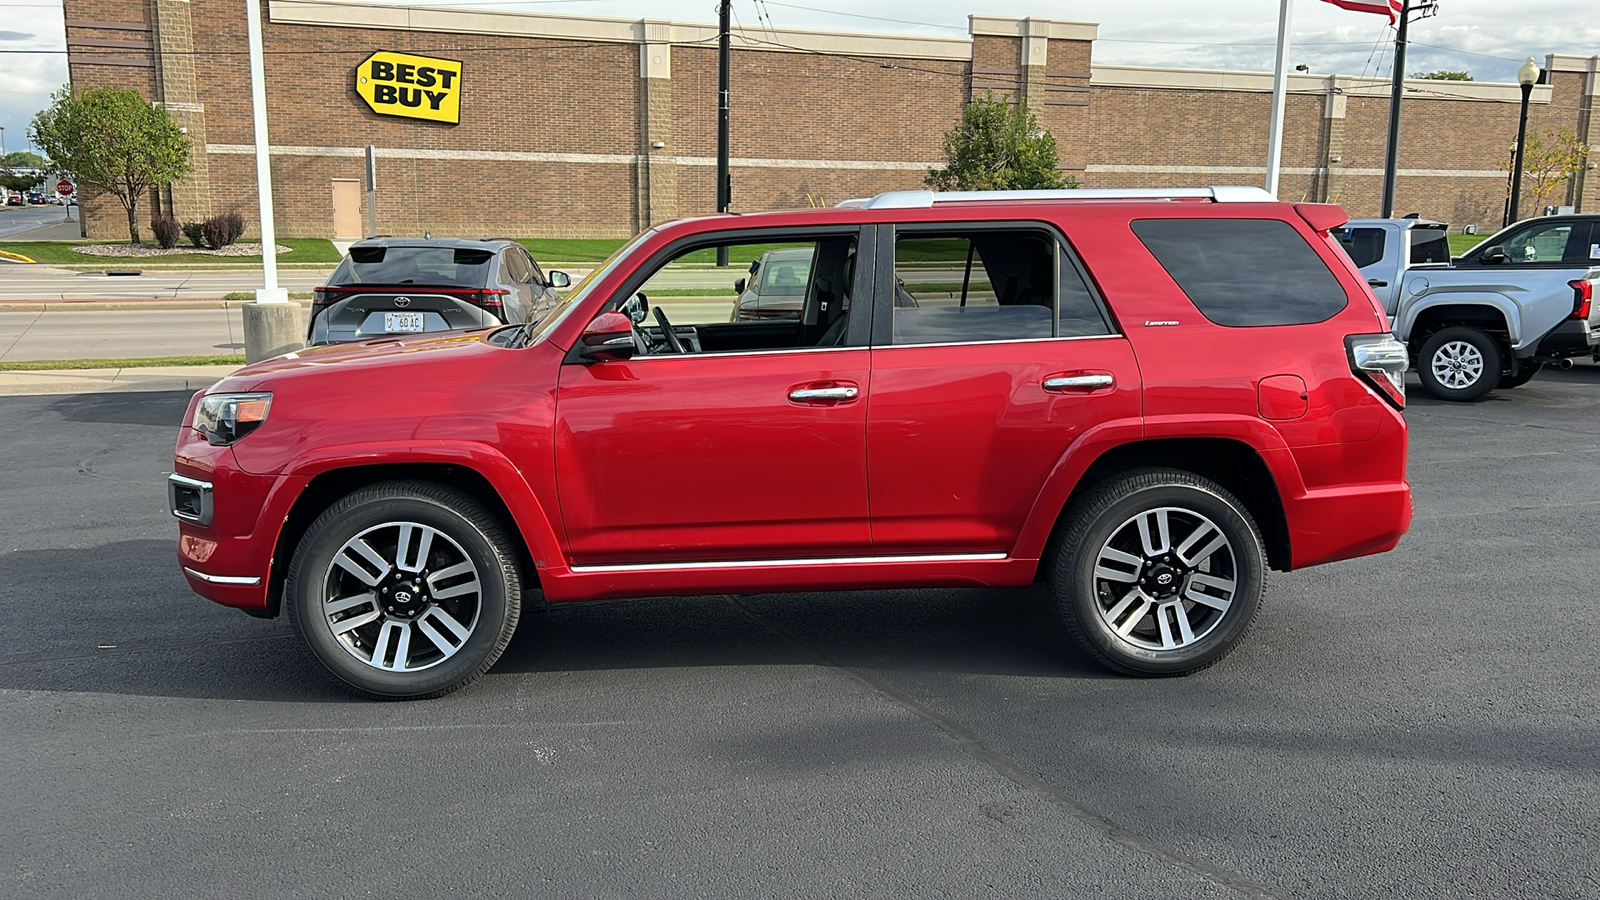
{"x": 926, "y": 199}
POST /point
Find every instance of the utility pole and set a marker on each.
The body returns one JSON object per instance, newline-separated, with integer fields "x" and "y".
{"x": 724, "y": 180}
{"x": 1391, "y": 160}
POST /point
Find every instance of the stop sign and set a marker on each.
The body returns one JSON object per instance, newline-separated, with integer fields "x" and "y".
{"x": 63, "y": 187}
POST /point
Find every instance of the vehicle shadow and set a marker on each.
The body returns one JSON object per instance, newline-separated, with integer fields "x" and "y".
{"x": 120, "y": 619}
{"x": 156, "y": 408}
{"x": 966, "y": 630}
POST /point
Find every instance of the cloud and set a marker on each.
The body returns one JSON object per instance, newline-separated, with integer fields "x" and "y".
{"x": 15, "y": 36}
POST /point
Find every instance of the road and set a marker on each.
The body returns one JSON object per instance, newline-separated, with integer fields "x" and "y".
{"x": 91, "y": 334}
{"x": 36, "y": 282}
{"x": 17, "y": 220}
{"x": 1420, "y": 724}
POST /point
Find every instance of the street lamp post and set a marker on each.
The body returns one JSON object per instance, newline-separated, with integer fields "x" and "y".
{"x": 1526, "y": 77}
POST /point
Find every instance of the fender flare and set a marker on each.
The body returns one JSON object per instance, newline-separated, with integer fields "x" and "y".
{"x": 1252, "y": 433}
{"x": 1411, "y": 310}
{"x": 528, "y": 513}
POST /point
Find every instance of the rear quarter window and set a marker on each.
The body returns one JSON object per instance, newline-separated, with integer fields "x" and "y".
{"x": 1244, "y": 272}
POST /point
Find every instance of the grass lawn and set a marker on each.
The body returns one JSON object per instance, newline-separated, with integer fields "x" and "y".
{"x": 43, "y": 365}
{"x": 570, "y": 250}
{"x": 1461, "y": 243}
{"x": 61, "y": 253}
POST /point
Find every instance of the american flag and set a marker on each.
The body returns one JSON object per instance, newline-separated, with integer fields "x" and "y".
{"x": 1390, "y": 8}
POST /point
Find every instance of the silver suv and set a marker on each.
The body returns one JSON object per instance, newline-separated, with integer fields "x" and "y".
{"x": 397, "y": 286}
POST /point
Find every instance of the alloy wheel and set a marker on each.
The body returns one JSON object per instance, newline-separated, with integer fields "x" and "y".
{"x": 401, "y": 597}
{"x": 1165, "y": 578}
{"x": 1457, "y": 365}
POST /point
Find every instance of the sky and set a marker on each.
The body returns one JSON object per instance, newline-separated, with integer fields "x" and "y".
{"x": 1489, "y": 38}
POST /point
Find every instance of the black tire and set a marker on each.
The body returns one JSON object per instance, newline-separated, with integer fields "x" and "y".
{"x": 1094, "y": 609}
{"x": 1525, "y": 373}
{"x": 441, "y": 599}
{"x": 1469, "y": 359}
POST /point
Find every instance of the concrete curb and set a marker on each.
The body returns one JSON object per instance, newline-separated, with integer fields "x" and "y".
{"x": 95, "y": 381}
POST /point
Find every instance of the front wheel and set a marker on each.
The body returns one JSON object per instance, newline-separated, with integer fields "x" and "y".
{"x": 1459, "y": 363}
{"x": 1159, "y": 573}
{"x": 405, "y": 589}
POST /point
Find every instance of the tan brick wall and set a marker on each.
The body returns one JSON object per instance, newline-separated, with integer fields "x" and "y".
{"x": 530, "y": 95}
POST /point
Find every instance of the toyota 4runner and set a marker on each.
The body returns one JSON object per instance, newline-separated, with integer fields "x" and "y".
{"x": 1144, "y": 398}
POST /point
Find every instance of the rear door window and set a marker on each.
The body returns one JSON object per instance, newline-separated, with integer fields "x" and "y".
{"x": 987, "y": 284}
{"x": 1245, "y": 272}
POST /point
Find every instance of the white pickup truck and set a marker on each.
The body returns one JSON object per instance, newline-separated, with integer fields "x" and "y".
{"x": 1494, "y": 316}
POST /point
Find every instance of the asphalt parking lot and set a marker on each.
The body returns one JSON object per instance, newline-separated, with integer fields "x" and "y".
{"x": 1419, "y": 724}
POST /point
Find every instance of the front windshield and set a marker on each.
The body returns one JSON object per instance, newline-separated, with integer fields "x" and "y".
{"x": 578, "y": 292}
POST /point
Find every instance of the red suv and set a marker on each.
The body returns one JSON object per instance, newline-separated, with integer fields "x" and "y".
{"x": 1144, "y": 398}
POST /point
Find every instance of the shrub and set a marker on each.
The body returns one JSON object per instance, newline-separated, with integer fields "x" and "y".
{"x": 196, "y": 233}
{"x": 167, "y": 230}
{"x": 222, "y": 231}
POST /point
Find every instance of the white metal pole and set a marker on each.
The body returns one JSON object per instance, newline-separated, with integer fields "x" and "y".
{"x": 1280, "y": 85}
{"x": 258, "y": 108}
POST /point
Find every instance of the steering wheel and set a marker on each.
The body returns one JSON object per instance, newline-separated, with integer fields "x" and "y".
{"x": 666, "y": 331}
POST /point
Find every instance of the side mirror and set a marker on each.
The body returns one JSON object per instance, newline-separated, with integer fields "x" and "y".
{"x": 738, "y": 286}
{"x": 560, "y": 280}
{"x": 1493, "y": 256}
{"x": 608, "y": 337}
{"x": 636, "y": 308}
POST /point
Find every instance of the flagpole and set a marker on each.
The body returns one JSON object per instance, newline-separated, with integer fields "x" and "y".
{"x": 1280, "y": 80}
{"x": 1391, "y": 159}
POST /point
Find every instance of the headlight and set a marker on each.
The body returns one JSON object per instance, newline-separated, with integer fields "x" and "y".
{"x": 225, "y": 418}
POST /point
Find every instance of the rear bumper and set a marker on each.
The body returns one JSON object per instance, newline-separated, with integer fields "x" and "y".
{"x": 1574, "y": 337}
{"x": 1346, "y": 522}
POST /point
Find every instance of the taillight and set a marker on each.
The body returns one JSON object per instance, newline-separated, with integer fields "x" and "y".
{"x": 1583, "y": 296}
{"x": 488, "y": 297}
{"x": 1380, "y": 361}
{"x": 327, "y": 296}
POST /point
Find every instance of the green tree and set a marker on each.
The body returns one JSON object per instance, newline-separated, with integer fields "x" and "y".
{"x": 1443, "y": 75}
{"x": 13, "y": 181}
{"x": 113, "y": 140}
{"x": 998, "y": 146}
{"x": 23, "y": 159}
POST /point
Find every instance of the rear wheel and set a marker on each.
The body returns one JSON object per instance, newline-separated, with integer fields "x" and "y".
{"x": 1459, "y": 363}
{"x": 1525, "y": 373}
{"x": 405, "y": 590}
{"x": 1159, "y": 573}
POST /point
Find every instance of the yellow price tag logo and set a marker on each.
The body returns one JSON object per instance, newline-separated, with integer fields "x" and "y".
{"x": 416, "y": 87}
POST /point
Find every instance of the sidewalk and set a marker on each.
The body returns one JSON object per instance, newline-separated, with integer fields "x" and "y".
{"x": 90, "y": 381}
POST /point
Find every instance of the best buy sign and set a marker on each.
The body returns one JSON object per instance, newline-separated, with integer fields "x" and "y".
{"x": 417, "y": 87}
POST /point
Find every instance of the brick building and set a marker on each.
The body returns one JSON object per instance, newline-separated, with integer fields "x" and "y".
{"x": 588, "y": 127}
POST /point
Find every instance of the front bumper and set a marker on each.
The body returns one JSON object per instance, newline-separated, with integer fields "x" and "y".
{"x": 228, "y": 523}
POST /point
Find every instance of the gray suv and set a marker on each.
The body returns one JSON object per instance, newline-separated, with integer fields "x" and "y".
{"x": 395, "y": 286}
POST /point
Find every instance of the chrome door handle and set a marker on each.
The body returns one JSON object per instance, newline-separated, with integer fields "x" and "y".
{"x": 1078, "y": 382}
{"x": 801, "y": 395}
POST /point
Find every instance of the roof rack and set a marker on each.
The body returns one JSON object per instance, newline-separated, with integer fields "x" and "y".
{"x": 926, "y": 199}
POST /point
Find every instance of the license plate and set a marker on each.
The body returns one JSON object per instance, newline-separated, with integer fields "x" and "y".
{"x": 407, "y": 321}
